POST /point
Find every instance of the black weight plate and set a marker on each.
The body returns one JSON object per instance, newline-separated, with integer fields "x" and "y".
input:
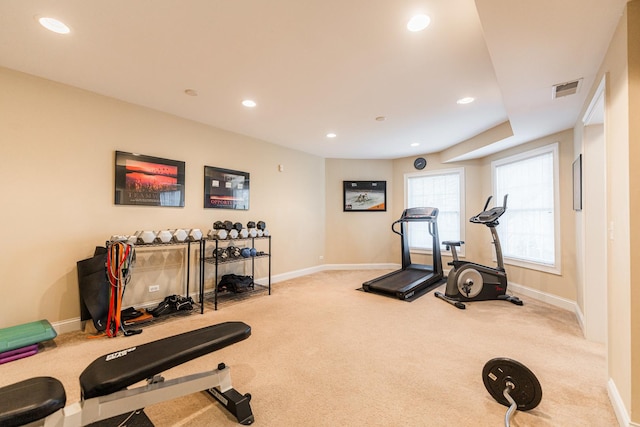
{"x": 527, "y": 392}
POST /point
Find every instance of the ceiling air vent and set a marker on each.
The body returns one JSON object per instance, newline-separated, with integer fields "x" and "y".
{"x": 566, "y": 89}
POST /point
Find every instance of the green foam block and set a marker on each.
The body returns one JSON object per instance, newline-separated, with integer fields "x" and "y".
{"x": 26, "y": 334}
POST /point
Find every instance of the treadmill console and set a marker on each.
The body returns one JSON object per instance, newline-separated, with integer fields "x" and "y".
{"x": 419, "y": 214}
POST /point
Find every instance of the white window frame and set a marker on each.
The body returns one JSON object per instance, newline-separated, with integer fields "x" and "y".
{"x": 556, "y": 267}
{"x": 449, "y": 171}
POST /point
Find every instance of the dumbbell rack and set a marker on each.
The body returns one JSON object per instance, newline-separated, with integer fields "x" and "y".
{"x": 204, "y": 260}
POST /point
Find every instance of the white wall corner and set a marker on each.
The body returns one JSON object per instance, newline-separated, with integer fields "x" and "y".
{"x": 618, "y": 406}
{"x": 69, "y": 325}
{"x": 580, "y": 318}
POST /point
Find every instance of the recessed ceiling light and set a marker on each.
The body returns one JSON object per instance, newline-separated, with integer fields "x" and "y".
{"x": 191, "y": 92}
{"x": 466, "y": 100}
{"x": 54, "y": 25}
{"x": 249, "y": 103}
{"x": 418, "y": 23}
{"x": 331, "y": 135}
{"x": 415, "y": 144}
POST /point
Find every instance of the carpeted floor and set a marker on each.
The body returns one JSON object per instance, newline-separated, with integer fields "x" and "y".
{"x": 324, "y": 354}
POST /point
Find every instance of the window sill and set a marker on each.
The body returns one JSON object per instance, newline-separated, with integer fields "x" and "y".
{"x": 552, "y": 269}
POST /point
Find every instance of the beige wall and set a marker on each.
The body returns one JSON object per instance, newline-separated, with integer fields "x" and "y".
{"x": 564, "y": 284}
{"x": 475, "y": 196}
{"x": 57, "y": 171}
{"x": 478, "y": 187}
{"x": 633, "y": 41}
{"x": 56, "y": 166}
{"x": 621, "y": 67}
{"x": 359, "y": 237}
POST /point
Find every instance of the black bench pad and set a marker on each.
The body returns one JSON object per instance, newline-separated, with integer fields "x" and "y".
{"x": 116, "y": 371}
{"x": 30, "y": 400}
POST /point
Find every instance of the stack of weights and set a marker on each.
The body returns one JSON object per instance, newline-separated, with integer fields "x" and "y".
{"x": 233, "y": 251}
{"x": 220, "y": 230}
{"x": 223, "y": 230}
{"x": 262, "y": 229}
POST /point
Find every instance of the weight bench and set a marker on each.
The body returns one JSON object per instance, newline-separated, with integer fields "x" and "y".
{"x": 41, "y": 401}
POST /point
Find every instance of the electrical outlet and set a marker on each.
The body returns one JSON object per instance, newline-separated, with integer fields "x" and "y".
{"x": 154, "y": 288}
{"x": 321, "y": 257}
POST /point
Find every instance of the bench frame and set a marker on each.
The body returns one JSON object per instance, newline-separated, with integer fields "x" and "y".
{"x": 216, "y": 382}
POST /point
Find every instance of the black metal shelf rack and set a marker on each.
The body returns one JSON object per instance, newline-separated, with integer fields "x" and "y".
{"x": 204, "y": 260}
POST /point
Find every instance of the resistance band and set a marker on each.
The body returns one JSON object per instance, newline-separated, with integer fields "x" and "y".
{"x": 120, "y": 259}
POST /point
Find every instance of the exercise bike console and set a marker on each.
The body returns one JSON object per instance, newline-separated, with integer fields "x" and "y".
{"x": 469, "y": 281}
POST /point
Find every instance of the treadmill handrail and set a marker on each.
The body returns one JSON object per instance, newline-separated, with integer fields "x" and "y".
{"x": 408, "y": 217}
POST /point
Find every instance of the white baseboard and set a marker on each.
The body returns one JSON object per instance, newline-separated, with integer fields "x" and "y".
{"x": 618, "y": 406}
{"x": 293, "y": 274}
{"x": 386, "y": 266}
{"x": 75, "y": 324}
{"x": 545, "y": 297}
{"x": 69, "y": 325}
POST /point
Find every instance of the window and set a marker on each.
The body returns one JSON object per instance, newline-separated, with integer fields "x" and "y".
{"x": 443, "y": 189}
{"x": 529, "y": 230}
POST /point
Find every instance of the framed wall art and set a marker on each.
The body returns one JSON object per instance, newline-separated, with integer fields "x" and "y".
{"x": 226, "y": 188}
{"x": 148, "y": 181}
{"x": 364, "y": 196}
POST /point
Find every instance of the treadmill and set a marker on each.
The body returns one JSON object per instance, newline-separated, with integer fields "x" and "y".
{"x": 413, "y": 280}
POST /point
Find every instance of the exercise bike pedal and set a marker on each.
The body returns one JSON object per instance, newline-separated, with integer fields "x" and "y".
{"x": 451, "y": 301}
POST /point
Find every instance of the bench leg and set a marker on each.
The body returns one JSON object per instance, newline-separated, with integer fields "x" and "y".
{"x": 235, "y": 403}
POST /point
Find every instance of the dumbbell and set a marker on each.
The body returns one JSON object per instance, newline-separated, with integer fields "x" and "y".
{"x": 220, "y": 254}
{"x": 179, "y": 235}
{"x": 147, "y": 236}
{"x": 245, "y": 252}
{"x": 253, "y": 252}
{"x": 262, "y": 226}
{"x": 195, "y": 234}
{"x": 164, "y": 236}
{"x": 232, "y": 229}
{"x": 251, "y": 229}
{"x": 233, "y": 251}
{"x": 242, "y": 232}
{"x": 219, "y": 231}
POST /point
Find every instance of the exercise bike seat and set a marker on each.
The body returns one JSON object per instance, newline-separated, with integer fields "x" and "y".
{"x": 453, "y": 243}
{"x": 30, "y": 400}
{"x": 116, "y": 371}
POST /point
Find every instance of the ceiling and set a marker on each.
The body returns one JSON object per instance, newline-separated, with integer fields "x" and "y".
{"x": 320, "y": 66}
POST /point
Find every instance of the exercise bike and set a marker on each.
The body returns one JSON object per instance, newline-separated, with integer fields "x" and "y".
{"x": 468, "y": 281}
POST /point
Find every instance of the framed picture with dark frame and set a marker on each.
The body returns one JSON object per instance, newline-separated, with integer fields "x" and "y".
{"x": 577, "y": 184}
{"x": 226, "y": 189}
{"x": 364, "y": 196}
{"x": 148, "y": 181}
